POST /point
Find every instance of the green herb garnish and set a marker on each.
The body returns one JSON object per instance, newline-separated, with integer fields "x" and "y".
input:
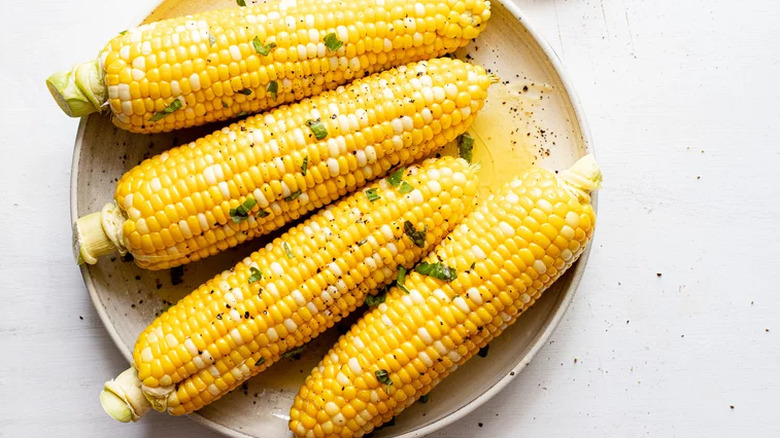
{"x": 395, "y": 178}
{"x": 254, "y": 275}
{"x": 372, "y": 195}
{"x": 294, "y": 352}
{"x": 263, "y": 213}
{"x": 384, "y": 378}
{"x": 224, "y": 105}
{"x": 242, "y": 114}
{"x": 245, "y": 91}
{"x": 405, "y": 188}
{"x": 241, "y": 2}
{"x": 288, "y": 250}
{"x": 465, "y": 146}
{"x": 260, "y": 361}
{"x": 332, "y": 42}
{"x": 293, "y": 196}
{"x": 377, "y": 299}
{"x": 437, "y": 270}
{"x": 241, "y": 213}
{"x": 305, "y": 165}
{"x": 418, "y": 237}
{"x": 273, "y": 88}
{"x": 400, "y": 278}
{"x": 317, "y": 128}
{"x": 262, "y": 49}
{"x": 123, "y": 32}
{"x": 173, "y": 106}
{"x": 483, "y": 352}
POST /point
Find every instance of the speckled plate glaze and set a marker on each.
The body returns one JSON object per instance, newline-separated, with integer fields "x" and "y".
{"x": 128, "y": 298}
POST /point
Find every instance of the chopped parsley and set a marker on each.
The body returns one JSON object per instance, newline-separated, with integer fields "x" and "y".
{"x": 288, "y": 250}
{"x": 483, "y": 352}
{"x": 405, "y": 188}
{"x": 241, "y": 213}
{"x": 317, "y": 128}
{"x": 293, "y": 196}
{"x": 376, "y": 299}
{"x": 254, "y": 275}
{"x": 384, "y": 378}
{"x": 260, "y": 361}
{"x": 242, "y": 114}
{"x": 332, "y": 42}
{"x": 305, "y": 165}
{"x": 372, "y": 195}
{"x": 395, "y": 178}
{"x": 241, "y": 2}
{"x": 173, "y": 106}
{"x": 245, "y": 91}
{"x": 465, "y": 146}
{"x": 294, "y": 353}
{"x": 417, "y": 236}
{"x": 400, "y": 278}
{"x": 224, "y": 105}
{"x": 263, "y": 213}
{"x": 262, "y": 49}
{"x": 212, "y": 40}
{"x": 424, "y": 399}
{"x": 123, "y": 32}
{"x": 273, "y": 88}
{"x": 437, "y": 270}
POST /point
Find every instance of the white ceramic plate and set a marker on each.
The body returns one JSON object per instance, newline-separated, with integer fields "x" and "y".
{"x": 554, "y": 135}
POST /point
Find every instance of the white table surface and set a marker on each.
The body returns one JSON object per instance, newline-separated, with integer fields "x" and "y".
{"x": 683, "y": 99}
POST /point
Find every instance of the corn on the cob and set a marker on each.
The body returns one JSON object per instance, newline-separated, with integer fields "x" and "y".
{"x": 257, "y": 174}
{"x": 505, "y": 255}
{"x": 280, "y": 297}
{"x": 217, "y": 65}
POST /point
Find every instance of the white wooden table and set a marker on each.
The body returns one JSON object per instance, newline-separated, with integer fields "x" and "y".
{"x": 674, "y": 331}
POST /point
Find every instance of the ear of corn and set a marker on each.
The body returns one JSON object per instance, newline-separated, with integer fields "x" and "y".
{"x": 280, "y": 297}
{"x": 262, "y": 172}
{"x": 217, "y": 65}
{"x": 505, "y": 254}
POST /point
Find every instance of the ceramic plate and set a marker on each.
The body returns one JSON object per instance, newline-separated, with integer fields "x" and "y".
{"x": 541, "y": 124}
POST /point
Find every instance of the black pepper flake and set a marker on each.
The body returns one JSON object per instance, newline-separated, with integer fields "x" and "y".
{"x": 177, "y": 274}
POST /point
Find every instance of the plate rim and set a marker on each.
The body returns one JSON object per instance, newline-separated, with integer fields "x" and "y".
{"x": 541, "y": 338}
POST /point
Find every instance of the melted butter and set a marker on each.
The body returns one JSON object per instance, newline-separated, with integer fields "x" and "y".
{"x": 504, "y": 133}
